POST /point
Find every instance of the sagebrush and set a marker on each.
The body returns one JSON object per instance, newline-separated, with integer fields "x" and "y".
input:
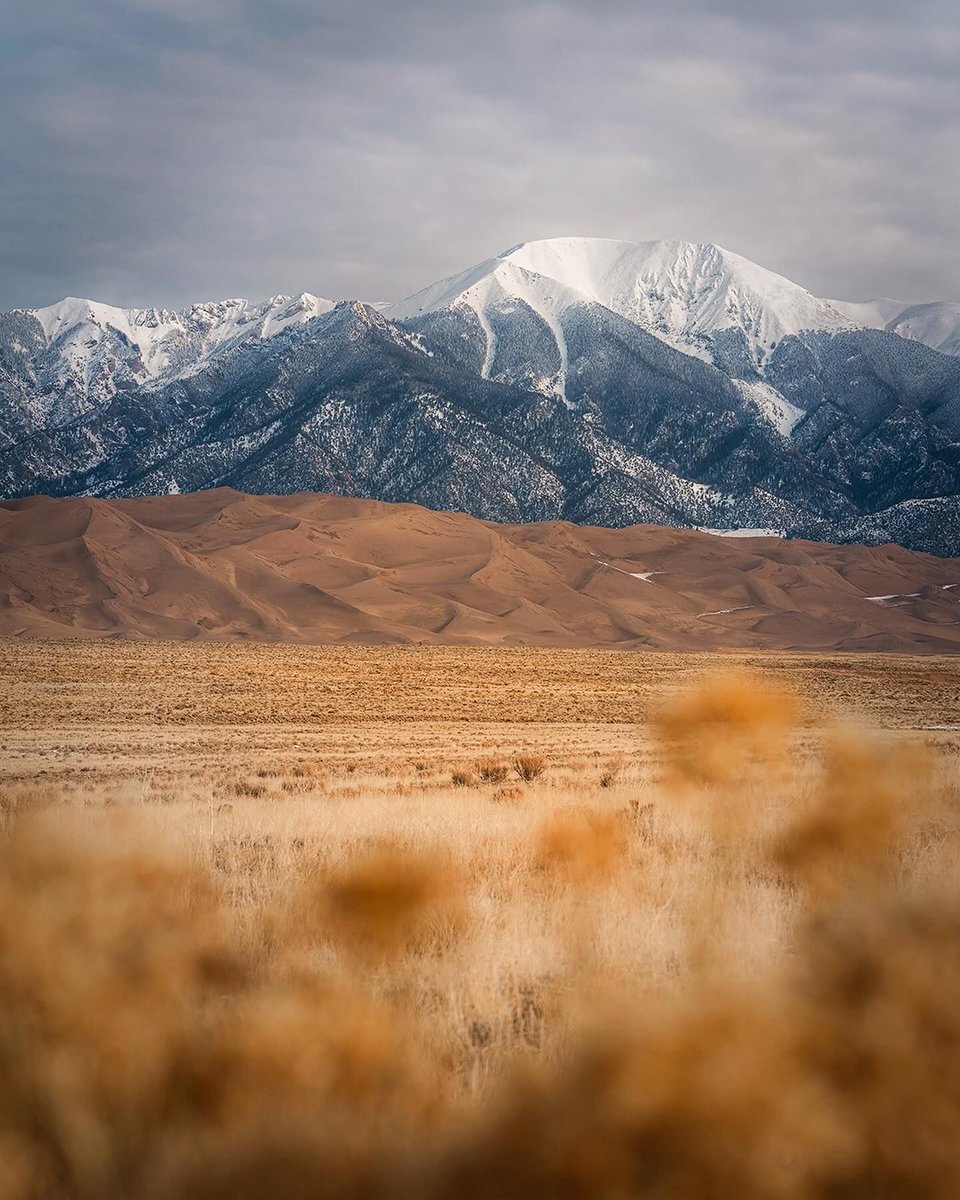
{"x": 740, "y": 979}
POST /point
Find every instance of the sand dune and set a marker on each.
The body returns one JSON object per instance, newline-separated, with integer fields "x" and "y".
{"x": 221, "y": 564}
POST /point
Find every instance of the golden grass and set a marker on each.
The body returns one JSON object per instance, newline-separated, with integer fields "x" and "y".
{"x": 227, "y": 685}
{"x": 715, "y": 955}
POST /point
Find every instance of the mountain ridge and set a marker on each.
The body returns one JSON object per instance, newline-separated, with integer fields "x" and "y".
{"x": 639, "y": 382}
{"x": 935, "y": 323}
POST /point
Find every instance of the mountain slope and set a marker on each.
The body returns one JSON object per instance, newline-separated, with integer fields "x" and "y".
{"x": 304, "y": 567}
{"x": 580, "y": 379}
{"x": 936, "y": 325}
{"x": 683, "y": 292}
{"x": 88, "y": 351}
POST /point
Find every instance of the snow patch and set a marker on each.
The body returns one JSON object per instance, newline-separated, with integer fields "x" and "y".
{"x": 645, "y": 575}
{"x": 501, "y": 285}
{"x": 781, "y": 414}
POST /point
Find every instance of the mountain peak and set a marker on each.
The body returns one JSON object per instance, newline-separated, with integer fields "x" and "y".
{"x": 98, "y": 346}
{"x": 580, "y": 247}
{"x": 683, "y": 292}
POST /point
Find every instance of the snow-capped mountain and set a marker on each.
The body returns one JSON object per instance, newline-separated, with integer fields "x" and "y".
{"x": 93, "y": 349}
{"x": 600, "y": 381}
{"x": 687, "y": 294}
{"x": 937, "y": 324}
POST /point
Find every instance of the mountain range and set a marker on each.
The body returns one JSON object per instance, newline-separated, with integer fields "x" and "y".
{"x": 580, "y": 379}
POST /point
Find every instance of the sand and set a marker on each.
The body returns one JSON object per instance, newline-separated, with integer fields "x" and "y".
{"x": 325, "y": 569}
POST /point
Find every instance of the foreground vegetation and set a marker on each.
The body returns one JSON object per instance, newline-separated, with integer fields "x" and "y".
{"x": 714, "y": 955}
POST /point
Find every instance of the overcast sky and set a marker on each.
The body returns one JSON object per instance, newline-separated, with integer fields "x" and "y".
{"x": 166, "y": 151}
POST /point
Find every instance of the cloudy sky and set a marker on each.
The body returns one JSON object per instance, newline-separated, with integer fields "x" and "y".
{"x": 165, "y": 151}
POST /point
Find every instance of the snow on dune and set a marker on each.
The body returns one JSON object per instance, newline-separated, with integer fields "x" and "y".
{"x": 646, "y": 576}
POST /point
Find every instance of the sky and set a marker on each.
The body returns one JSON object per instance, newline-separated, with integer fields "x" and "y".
{"x": 161, "y": 153}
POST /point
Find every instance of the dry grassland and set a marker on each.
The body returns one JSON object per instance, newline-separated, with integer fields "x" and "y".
{"x": 310, "y": 922}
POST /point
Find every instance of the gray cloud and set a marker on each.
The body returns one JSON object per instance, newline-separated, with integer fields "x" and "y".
{"x": 162, "y": 151}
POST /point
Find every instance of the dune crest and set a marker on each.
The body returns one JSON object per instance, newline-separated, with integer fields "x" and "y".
{"x": 222, "y": 564}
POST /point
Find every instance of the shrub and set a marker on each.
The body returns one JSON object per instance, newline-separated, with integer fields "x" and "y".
{"x": 711, "y": 735}
{"x": 385, "y": 898}
{"x": 715, "y": 991}
{"x": 252, "y": 790}
{"x": 529, "y": 766}
{"x": 582, "y": 844}
{"x": 491, "y": 770}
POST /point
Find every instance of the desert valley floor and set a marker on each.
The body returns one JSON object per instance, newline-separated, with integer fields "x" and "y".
{"x": 145, "y": 714}
{"x": 477, "y": 911}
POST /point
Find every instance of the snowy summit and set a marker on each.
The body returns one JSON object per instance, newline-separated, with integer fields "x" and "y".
{"x": 599, "y": 381}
